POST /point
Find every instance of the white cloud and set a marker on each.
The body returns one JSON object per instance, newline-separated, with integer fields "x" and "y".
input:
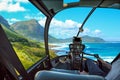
{"x": 12, "y": 20}
{"x": 63, "y": 29}
{"x": 15, "y": 7}
{"x": 67, "y": 28}
{"x": 86, "y": 31}
{"x": 40, "y": 17}
{"x": 37, "y": 16}
{"x": 42, "y": 21}
{"x": 65, "y": 24}
{"x": 97, "y": 32}
{"x": 23, "y": 1}
{"x": 10, "y": 6}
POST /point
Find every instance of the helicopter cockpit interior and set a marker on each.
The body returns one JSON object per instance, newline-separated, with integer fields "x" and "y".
{"x": 73, "y": 65}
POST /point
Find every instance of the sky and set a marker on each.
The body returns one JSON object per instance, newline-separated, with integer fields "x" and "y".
{"x": 104, "y": 23}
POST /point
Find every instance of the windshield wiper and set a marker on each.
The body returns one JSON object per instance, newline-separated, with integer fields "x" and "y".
{"x": 93, "y": 9}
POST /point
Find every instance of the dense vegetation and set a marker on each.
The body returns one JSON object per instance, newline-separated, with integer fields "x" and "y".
{"x": 28, "y": 51}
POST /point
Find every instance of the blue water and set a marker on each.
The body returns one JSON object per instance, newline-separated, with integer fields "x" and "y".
{"x": 103, "y": 49}
{"x": 107, "y": 51}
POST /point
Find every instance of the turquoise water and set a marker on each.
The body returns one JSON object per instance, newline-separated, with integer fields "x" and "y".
{"x": 107, "y": 51}
{"x": 103, "y": 49}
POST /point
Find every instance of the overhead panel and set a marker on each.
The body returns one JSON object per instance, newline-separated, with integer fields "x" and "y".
{"x": 106, "y": 3}
{"x": 111, "y": 4}
{"x": 55, "y": 5}
{"x": 89, "y": 3}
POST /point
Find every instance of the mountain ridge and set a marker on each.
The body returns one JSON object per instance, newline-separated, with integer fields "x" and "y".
{"x": 31, "y": 29}
{"x": 85, "y": 38}
{"x": 4, "y": 21}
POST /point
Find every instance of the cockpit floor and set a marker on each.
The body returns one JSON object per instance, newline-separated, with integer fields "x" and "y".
{"x": 63, "y": 66}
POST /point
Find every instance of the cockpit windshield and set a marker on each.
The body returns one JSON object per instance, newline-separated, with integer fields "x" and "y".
{"x": 100, "y": 35}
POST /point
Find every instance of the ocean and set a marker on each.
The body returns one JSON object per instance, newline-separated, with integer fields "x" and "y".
{"x": 107, "y": 51}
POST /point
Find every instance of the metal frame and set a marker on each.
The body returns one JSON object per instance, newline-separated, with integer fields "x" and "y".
{"x": 9, "y": 58}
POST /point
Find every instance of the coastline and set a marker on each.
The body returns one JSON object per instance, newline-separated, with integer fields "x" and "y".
{"x": 107, "y": 51}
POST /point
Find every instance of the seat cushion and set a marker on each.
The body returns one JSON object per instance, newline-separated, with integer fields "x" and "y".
{"x": 53, "y": 75}
{"x": 114, "y": 73}
{"x": 65, "y": 71}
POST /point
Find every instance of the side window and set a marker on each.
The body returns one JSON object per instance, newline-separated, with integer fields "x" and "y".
{"x": 25, "y": 30}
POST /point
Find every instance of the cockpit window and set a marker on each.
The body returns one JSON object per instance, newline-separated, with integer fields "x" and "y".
{"x": 24, "y": 27}
{"x": 63, "y": 27}
{"x": 101, "y": 33}
{"x": 70, "y": 1}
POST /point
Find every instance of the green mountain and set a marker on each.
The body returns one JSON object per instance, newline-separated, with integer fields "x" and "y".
{"x": 87, "y": 38}
{"x": 3, "y": 21}
{"x": 13, "y": 36}
{"x": 30, "y": 29}
{"x": 28, "y": 51}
